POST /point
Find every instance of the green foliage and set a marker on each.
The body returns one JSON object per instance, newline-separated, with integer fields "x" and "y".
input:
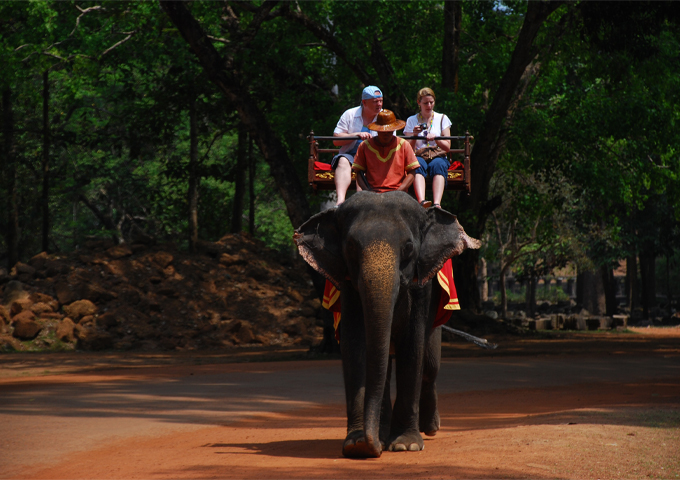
{"x": 589, "y": 168}
{"x": 552, "y": 294}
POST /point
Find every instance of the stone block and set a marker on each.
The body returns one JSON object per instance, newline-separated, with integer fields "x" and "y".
{"x": 65, "y": 330}
{"x": 80, "y": 308}
{"x": 543, "y": 324}
{"x": 40, "y": 308}
{"x": 13, "y": 291}
{"x": 592, "y": 323}
{"x": 38, "y": 261}
{"x": 606, "y": 323}
{"x": 25, "y": 327}
{"x": 65, "y": 293}
{"x": 119, "y": 251}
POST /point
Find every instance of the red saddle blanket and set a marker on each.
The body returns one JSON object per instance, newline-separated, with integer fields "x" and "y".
{"x": 448, "y": 299}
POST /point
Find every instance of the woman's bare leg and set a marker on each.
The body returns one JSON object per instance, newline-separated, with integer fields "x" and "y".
{"x": 419, "y": 187}
{"x": 438, "y": 184}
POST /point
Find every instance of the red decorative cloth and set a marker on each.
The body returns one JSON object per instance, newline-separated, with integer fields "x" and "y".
{"x": 331, "y": 297}
{"x": 455, "y": 165}
{"x": 321, "y": 166}
{"x": 448, "y": 299}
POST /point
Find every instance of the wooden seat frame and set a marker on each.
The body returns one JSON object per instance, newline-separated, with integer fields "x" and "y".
{"x": 324, "y": 179}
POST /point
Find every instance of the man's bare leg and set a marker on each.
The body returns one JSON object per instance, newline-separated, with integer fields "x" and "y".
{"x": 343, "y": 179}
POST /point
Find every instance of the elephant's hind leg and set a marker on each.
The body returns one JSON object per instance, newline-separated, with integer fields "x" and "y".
{"x": 429, "y": 422}
{"x": 386, "y": 409}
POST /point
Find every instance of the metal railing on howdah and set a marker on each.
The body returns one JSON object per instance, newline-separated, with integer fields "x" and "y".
{"x": 324, "y": 181}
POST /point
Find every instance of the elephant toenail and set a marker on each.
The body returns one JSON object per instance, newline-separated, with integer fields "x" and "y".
{"x": 414, "y": 447}
{"x": 399, "y": 447}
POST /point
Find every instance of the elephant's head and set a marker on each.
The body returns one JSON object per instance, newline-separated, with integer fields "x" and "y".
{"x": 387, "y": 239}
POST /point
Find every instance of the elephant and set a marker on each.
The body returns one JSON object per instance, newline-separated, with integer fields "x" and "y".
{"x": 382, "y": 252}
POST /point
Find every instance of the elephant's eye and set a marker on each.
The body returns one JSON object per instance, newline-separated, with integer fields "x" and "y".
{"x": 407, "y": 250}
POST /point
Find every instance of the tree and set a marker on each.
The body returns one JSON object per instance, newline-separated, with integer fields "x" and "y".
{"x": 532, "y": 231}
{"x": 491, "y": 140}
{"x": 222, "y": 72}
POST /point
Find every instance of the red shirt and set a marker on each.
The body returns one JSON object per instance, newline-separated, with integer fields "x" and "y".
{"x": 385, "y": 167}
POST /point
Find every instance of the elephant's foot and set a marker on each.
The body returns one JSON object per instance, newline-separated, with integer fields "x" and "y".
{"x": 407, "y": 442}
{"x": 356, "y": 446}
{"x": 430, "y": 426}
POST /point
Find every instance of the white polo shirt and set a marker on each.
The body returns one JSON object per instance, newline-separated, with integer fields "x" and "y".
{"x": 351, "y": 121}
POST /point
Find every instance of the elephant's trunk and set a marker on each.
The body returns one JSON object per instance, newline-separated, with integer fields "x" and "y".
{"x": 378, "y": 287}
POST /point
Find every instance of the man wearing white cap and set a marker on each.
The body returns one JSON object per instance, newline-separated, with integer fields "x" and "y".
{"x": 354, "y": 123}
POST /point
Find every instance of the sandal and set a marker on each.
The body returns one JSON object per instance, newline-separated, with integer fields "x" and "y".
{"x": 436, "y": 205}
{"x": 426, "y": 203}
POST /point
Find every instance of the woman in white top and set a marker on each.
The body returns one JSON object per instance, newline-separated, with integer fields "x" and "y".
{"x": 429, "y": 124}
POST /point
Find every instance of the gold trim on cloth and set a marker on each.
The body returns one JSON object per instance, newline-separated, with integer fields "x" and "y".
{"x": 389, "y": 154}
{"x": 453, "y": 175}
{"x": 328, "y": 175}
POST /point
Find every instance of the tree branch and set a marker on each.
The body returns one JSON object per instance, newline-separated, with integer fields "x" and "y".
{"x": 118, "y": 44}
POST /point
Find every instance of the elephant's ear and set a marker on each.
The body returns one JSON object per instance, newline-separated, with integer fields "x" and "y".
{"x": 443, "y": 238}
{"x": 318, "y": 241}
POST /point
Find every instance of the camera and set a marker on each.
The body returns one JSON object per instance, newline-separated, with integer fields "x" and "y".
{"x": 423, "y": 126}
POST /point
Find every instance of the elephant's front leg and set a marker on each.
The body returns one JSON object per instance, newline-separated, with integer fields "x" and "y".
{"x": 353, "y": 350}
{"x": 409, "y": 351}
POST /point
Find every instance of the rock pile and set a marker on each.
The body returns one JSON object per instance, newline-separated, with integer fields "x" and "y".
{"x": 235, "y": 292}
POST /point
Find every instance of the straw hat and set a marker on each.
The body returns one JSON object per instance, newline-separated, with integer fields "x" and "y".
{"x": 386, "y": 122}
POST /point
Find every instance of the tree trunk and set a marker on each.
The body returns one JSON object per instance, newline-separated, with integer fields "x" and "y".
{"x": 251, "y": 187}
{"x": 45, "y": 201}
{"x": 485, "y": 281}
{"x": 530, "y": 296}
{"x": 609, "y": 290}
{"x": 648, "y": 280}
{"x": 632, "y": 287}
{"x": 504, "y": 293}
{"x": 388, "y": 80}
{"x": 240, "y": 181}
{"x": 222, "y": 73}
{"x": 669, "y": 292}
{"x": 194, "y": 178}
{"x": 490, "y": 142}
{"x": 593, "y": 292}
{"x": 104, "y": 218}
{"x": 9, "y": 174}
{"x": 453, "y": 13}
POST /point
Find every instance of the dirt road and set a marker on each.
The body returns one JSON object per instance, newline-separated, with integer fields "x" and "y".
{"x": 610, "y": 412}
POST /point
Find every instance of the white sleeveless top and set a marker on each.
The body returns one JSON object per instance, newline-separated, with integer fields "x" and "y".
{"x": 439, "y": 123}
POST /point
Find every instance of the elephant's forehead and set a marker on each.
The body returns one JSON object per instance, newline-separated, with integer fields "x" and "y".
{"x": 382, "y": 217}
{"x": 380, "y": 251}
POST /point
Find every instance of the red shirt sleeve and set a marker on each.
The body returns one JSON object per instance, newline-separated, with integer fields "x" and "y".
{"x": 410, "y": 160}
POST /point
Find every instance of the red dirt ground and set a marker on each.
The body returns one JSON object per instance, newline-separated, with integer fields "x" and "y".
{"x": 606, "y": 429}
